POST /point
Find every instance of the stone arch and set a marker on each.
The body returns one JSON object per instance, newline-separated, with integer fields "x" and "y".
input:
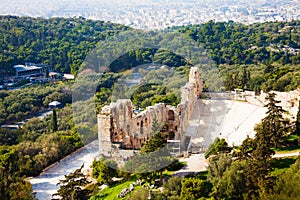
{"x": 121, "y": 113}
{"x": 171, "y": 115}
{"x": 128, "y": 129}
{"x": 292, "y": 103}
{"x": 124, "y": 113}
{"x": 115, "y": 136}
{"x": 142, "y": 128}
{"x": 171, "y": 135}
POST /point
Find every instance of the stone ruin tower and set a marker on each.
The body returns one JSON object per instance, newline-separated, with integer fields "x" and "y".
{"x": 120, "y": 129}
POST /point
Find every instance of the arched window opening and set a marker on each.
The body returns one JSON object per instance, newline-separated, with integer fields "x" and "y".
{"x": 171, "y": 135}
{"x": 142, "y": 127}
{"x": 171, "y": 115}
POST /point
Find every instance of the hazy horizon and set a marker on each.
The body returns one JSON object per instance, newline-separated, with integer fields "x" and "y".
{"x": 157, "y": 13}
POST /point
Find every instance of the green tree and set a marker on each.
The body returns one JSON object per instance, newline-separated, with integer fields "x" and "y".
{"x": 156, "y": 126}
{"x": 157, "y": 142}
{"x": 21, "y": 189}
{"x": 154, "y": 156}
{"x": 9, "y": 137}
{"x": 194, "y": 188}
{"x": 273, "y": 126}
{"x": 73, "y": 187}
{"x": 172, "y": 188}
{"x": 12, "y": 185}
{"x": 245, "y": 149}
{"x": 259, "y": 182}
{"x": 156, "y": 147}
{"x": 217, "y": 166}
{"x": 104, "y": 171}
{"x": 218, "y": 146}
{"x": 231, "y": 185}
{"x": 287, "y": 184}
{"x": 139, "y": 194}
{"x": 54, "y": 120}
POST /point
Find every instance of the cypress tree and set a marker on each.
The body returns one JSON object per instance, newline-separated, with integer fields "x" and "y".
{"x": 54, "y": 120}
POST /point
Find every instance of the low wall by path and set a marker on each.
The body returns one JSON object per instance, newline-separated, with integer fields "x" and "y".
{"x": 66, "y": 157}
{"x": 45, "y": 184}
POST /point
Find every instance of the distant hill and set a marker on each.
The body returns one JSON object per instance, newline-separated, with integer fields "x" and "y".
{"x": 257, "y": 56}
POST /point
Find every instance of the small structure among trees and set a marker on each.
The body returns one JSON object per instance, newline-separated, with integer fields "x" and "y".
{"x": 55, "y": 104}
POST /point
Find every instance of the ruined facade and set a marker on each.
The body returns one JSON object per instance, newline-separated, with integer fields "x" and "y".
{"x": 132, "y": 130}
{"x": 119, "y": 127}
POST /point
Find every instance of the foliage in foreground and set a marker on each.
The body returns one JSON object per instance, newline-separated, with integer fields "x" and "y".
{"x": 73, "y": 186}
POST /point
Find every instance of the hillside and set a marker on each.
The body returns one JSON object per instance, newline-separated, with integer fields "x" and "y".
{"x": 61, "y": 42}
{"x": 258, "y": 56}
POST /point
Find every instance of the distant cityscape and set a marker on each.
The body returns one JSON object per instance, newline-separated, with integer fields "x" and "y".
{"x": 158, "y": 14}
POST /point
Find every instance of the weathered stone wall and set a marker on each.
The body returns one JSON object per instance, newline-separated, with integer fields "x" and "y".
{"x": 119, "y": 124}
{"x": 189, "y": 94}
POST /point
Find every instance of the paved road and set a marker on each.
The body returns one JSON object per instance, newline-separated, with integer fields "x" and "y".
{"x": 195, "y": 163}
{"x": 281, "y": 155}
{"x": 46, "y": 184}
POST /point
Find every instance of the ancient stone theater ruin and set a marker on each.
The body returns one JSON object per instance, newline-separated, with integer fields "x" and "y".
{"x": 120, "y": 128}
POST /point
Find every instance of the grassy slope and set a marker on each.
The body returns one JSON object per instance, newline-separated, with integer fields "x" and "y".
{"x": 111, "y": 193}
{"x": 280, "y": 165}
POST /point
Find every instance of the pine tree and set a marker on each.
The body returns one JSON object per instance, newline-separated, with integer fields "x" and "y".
{"x": 268, "y": 135}
{"x": 104, "y": 171}
{"x": 274, "y": 124}
{"x": 154, "y": 157}
{"x": 155, "y": 127}
{"x": 157, "y": 142}
{"x": 158, "y": 154}
{"x": 73, "y": 186}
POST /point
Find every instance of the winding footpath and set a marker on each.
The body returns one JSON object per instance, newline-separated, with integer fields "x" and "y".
{"x": 45, "y": 184}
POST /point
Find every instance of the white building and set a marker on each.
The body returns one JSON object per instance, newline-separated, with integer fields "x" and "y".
{"x": 31, "y": 69}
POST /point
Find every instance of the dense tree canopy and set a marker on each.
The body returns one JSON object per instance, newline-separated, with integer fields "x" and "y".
{"x": 240, "y": 52}
{"x": 17, "y": 105}
{"x": 104, "y": 171}
{"x": 61, "y": 42}
{"x": 234, "y": 43}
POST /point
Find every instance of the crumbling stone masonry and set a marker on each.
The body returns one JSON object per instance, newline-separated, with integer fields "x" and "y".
{"x": 119, "y": 127}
